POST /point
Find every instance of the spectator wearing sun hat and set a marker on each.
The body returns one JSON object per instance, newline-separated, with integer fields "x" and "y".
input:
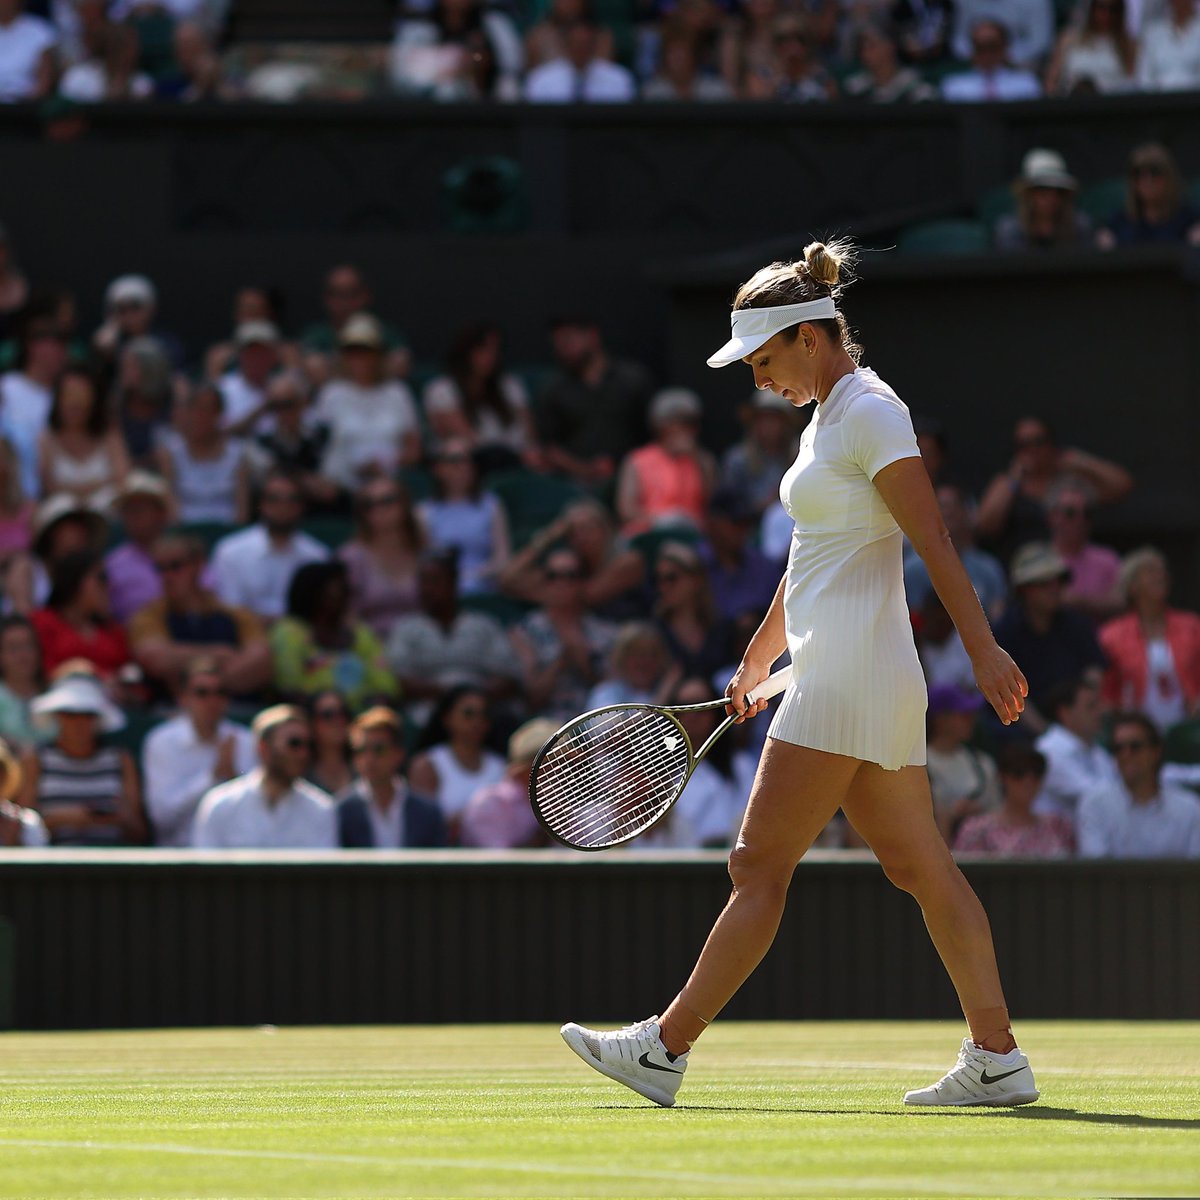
{"x": 668, "y": 481}
{"x": 1046, "y": 216}
{"x": 754, "y": 465}
{"x": 130, "y": 312}
{"x": 372, "y": 420}
{"x": 61, "y": 526}
{"x": 1048, "y": 641}
{"x": 144, "y": 508}
{"x": 244, "y": 388}
{"x": 499, "y": 816}
{"x": 87, "y": 793}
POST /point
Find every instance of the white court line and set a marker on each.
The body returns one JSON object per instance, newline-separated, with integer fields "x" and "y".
{"x": 951, "y": 1187}
{"x": 464, "y": 1164}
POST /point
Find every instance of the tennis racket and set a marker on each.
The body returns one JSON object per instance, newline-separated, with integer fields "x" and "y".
{"x": 615, "y": 772}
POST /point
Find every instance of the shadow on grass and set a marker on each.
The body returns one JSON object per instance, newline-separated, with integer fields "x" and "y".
{"x": 1031, "y": 1112}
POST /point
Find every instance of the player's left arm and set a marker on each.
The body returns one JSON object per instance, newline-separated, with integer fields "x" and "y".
{"x": 906, "y": 490}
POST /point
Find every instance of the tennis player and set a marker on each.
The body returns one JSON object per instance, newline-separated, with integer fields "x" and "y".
{"x": 850, "y": 729}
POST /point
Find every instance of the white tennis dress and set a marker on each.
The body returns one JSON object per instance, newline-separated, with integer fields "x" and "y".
{"x": 857, "y": 686}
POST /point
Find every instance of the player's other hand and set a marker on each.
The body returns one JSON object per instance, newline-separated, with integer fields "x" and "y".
{"x": 1001, "y": 682}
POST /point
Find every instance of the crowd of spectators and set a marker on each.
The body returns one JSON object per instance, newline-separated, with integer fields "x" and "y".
{"x": 312, "y": 590}
{"x": 564, "y": 51}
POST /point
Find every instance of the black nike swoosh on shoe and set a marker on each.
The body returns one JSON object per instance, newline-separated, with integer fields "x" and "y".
{"x": 645, "y": 1062}
{"x": 984, "y": 1077}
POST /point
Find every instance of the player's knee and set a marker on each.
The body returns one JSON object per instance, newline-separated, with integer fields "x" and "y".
{"x": 918, "y": 875}
{"x": 756, "y": 870}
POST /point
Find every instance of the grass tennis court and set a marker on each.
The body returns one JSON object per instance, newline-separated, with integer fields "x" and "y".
{"x": 768, "y": 1109}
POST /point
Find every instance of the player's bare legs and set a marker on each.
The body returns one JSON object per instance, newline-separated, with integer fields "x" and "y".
{"x": 893, "y": 812}
{"x": 796, "y": 792}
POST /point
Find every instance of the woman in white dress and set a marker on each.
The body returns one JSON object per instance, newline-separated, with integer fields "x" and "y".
{"x": 850, "y": 730}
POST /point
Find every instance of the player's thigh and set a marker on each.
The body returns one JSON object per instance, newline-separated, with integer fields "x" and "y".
{"x": 893, "y": 813}
{"x": 796, "y": 792}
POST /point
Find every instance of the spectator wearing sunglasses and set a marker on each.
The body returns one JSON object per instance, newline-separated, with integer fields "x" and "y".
{"x": 330, "y": 767}
{"x": 992, "y": 76}
{"x": 561, "y": 646}
{"x": 192, "y": 752}
{"x": 271, "y": 806}
{"x": 461, "y": 515}
{"x": 1141, "y": 815}
{"x": 1156, "y": 207}
{"x": 189, "y": 620}
{"x": 1012, "y": 510}
{"x": 380, "y": 811}
{"x": 1094, "y": 588}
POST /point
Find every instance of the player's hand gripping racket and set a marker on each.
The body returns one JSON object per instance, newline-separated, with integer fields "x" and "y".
{"x": 614, "y": 772}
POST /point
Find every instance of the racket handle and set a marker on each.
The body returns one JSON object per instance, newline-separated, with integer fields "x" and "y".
{"x": 771, "y": 686}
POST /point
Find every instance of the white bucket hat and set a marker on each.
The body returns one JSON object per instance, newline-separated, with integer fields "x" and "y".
{"x": 79, "y": 694}
{"x": 753, "y": 327}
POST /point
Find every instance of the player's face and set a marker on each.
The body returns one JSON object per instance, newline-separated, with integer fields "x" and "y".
{"x": 787, "y": 367}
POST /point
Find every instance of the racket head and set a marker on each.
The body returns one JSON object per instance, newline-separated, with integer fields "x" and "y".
{"x": 610, "y": 775}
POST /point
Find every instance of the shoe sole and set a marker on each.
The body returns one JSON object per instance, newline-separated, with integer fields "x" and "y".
{"x": 1009, "y": 1101}
{"x": 575, "y": 1040}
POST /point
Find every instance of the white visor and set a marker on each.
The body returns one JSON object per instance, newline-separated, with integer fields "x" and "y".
{"x": 752, "y": 327}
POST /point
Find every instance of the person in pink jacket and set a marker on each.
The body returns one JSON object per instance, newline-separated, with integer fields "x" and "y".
{"x": 1153, "y": 649}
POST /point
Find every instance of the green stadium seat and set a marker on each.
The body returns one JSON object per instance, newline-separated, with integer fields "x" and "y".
{"x": 648, "y": 543}
{"x": 951, "y": 235}
{"x": 531, "y": 500}
{"x": 334, "y": 531}
{"x": 1182, "y": 742}
{"x": 505, "y": 609}
{"x": 1100, "y": 200}
{"x": 995, "y": 203}
{"x": 418, "y": 481}
{"x": 209, "y": 532}
{"x": 1193, "y": 192}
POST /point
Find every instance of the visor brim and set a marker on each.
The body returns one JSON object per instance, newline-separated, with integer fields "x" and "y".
{"x": 737, "y": 348}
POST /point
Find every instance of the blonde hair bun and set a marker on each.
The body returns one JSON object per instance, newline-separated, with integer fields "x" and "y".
{"x": 826, "y": 262}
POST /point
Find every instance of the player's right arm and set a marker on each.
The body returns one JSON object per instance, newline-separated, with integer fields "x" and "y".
{"x": 767, "y": 644}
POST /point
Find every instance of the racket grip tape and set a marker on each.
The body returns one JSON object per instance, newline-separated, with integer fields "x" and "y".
{"x": 771, "y": 686}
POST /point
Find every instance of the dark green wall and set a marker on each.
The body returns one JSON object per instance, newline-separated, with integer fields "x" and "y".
{"x": 149, "y": 939}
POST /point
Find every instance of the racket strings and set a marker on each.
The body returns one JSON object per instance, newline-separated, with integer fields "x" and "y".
{"x": 611, "y": 775}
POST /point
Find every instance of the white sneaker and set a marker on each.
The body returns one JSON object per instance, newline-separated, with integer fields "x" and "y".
{"x": 634, "y": 1056}
{"x": 981, "y": 1077}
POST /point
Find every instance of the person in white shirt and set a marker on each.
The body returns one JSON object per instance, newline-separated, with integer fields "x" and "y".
{"x": 186, "y": 756}
{"x": 26, "y": 54}
{"x": 254, "y": 567}
{"x": 1076, "y": 766}
{"x": 581, "y": 76}
{"x": 1030, "y": 26}
{"x": 991, "y": 77}
{"x": 27, "y": 393}
{"x": 1170, "y": 51}
{"x": 245, "y": 387}
{"x": 272, "y": 806}
{"x": 1141, "y": 815}
{"x": 372, "y": 421}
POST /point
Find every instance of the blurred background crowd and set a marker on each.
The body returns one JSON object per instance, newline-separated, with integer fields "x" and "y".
{"x": 594, "y": 51}
{"x": 307, "y": 585}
